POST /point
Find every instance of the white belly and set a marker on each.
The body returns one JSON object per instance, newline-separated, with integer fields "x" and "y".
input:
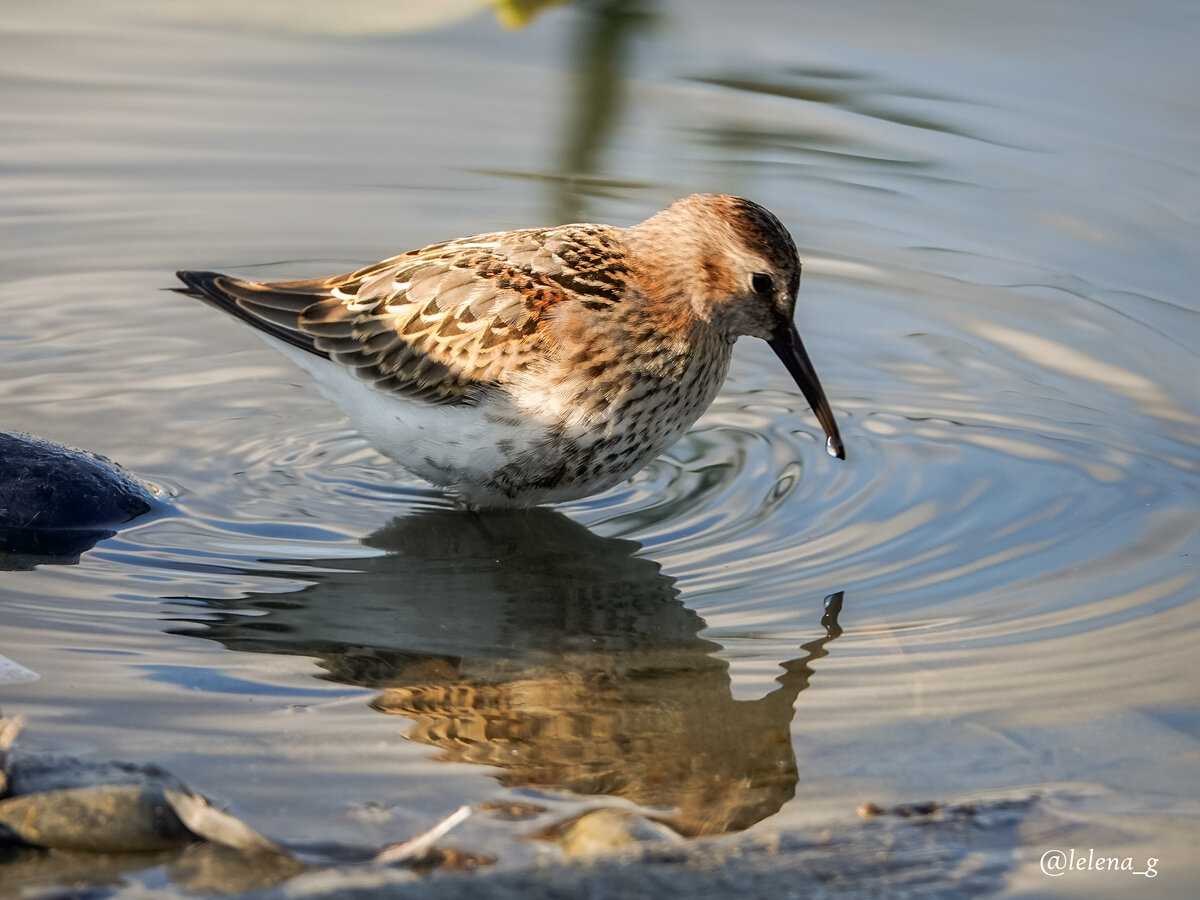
{"x": 457, "y": 447}
{"x": 505, "y": 452}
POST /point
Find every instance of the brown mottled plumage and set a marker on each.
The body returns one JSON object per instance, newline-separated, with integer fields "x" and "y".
{"x": 542, "y": 365}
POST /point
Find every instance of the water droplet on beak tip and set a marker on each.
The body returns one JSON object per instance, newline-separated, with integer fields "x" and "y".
{"x": 831, "y": 448}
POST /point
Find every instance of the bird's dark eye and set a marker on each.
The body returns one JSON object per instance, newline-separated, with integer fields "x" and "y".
{"x": 762, "y": 283}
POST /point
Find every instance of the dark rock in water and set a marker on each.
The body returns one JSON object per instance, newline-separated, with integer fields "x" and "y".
{"x": 36, "y": 772}
{"x": 57, "y": 501}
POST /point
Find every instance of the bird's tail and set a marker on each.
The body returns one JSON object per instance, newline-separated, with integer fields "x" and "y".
{"x": 274, "y": 309}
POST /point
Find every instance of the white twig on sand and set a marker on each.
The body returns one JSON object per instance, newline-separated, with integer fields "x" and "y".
{"x": 421, "y": 844}
{"x": 9, "y": 729}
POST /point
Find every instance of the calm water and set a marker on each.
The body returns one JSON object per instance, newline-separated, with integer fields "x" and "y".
{"x": 999, "y": 210}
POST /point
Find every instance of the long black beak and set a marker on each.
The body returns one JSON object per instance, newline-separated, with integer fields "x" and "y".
{"x": 788, "y": 347}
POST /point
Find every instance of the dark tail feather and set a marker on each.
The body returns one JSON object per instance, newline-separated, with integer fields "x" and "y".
{"x": 223, "y": 292}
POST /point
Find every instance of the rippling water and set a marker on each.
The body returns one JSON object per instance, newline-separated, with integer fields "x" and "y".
{"x": 998, "y": 214}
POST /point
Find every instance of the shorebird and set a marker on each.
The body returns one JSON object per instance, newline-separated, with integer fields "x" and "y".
{"x": 543, "y": 365}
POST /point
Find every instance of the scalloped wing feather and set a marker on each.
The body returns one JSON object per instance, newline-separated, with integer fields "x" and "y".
{"x": 445, "y": 323}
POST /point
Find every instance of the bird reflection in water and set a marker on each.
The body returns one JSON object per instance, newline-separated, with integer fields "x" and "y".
{"x": 526, "y": 642}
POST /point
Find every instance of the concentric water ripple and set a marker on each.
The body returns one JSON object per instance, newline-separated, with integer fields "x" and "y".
{"x": 999, "y": 489}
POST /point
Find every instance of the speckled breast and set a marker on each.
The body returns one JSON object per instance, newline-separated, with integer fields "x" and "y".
{"x": 648, "y": 415}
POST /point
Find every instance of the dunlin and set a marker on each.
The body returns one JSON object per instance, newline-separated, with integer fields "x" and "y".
{"x": 543, "y": 365}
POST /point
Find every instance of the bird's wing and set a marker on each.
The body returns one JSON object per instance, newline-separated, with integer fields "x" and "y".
{"x": 441, "y": 324}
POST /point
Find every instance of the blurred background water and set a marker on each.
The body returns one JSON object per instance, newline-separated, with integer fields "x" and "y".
{"x": 998, "y": 210}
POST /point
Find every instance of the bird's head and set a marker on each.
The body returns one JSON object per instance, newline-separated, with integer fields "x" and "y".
{"x": 735, "y": 264}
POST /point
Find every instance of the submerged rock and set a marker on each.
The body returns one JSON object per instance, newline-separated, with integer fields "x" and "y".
{"x": 65, "y": 803}
{"x": 114, "y": 818}
{"x": 65, "y": 809}
{"x": 58, "y": 501}
{"x": 31, "y": 773}
{"x": 604, "y": 830}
